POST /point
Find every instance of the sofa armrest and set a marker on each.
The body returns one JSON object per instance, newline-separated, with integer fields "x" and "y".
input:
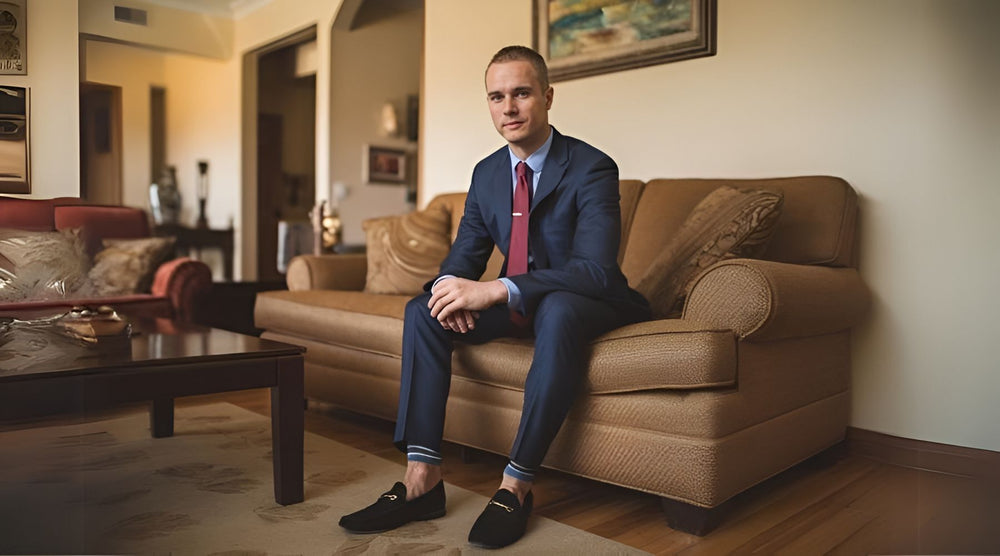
{"x": 183, "y": 281}
{"x": 764, "y": 300}
{"x": 328, "y": 272}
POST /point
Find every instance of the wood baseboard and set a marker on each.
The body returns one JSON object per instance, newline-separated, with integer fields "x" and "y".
{"x": 923, "y": 455}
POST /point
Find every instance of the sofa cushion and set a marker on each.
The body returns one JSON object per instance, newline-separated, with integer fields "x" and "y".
{"x": 654, "y": 355}
{"x": 360, "y": 320}
{"x": 99, "y": 222}
{"x": 404, "y": 252}
{"x": 728, "y": 223}
{"x": 127, "y": 266}
{"x": 42, "y": 265}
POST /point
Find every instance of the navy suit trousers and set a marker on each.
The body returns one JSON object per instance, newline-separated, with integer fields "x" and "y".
{"x": 564, "y": 324}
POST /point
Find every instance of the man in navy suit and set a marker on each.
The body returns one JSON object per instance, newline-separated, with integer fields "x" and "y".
{"x": 551, "y": 204}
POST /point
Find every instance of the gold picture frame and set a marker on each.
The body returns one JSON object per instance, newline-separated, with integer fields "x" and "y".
{"x": 15, "y": 162}
{"x": 13, "y": 37}
{"x": 590, "y": 37}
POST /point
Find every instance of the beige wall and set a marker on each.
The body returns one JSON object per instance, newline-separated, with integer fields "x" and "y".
{"x": 388, "y": 71}
{"x": 202, "y": 122}
{"x": 166, "y": 28}
{"x": 53, "y": 78}
{"x": 896, "y": 96}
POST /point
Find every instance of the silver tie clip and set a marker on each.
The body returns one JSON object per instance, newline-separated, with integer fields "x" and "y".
{"x": 516, "y": 214}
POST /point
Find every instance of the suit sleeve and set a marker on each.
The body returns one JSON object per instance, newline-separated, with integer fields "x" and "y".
{"x": 473, "y": 244}
{"x": 592, "y": 269}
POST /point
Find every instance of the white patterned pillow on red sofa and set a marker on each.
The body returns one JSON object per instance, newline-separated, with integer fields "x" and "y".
{"x": 38, "y": 266}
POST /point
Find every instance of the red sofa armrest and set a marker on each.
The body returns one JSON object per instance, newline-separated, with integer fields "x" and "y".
{"x": 183, "y": 281}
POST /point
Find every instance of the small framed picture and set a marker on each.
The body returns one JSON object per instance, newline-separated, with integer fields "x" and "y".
{"x": 15, "y": 164}
{"x": 385, "y": 165}
{"x": 13, "y": 37}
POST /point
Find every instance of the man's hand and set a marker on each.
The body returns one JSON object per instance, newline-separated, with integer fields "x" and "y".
{"x": 454, "y": 301}
{"x": 460, "y": 321}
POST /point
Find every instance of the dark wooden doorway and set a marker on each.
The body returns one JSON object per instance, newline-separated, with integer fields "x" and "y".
{"x": 101, "y": 143}
{"x": 279, "y": 152}
{"x": 269, "y": 187}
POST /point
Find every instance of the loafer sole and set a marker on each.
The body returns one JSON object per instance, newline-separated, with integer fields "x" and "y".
{"x": 427, "y": 517}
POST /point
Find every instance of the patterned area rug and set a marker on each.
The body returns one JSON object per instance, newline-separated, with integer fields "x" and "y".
{"x": 108, "y": 487}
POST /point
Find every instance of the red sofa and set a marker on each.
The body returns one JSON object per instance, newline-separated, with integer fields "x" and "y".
{"x": 178, "y": 284}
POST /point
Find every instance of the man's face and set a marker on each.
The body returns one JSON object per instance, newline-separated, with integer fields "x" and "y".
{"x": 519, "y": 106}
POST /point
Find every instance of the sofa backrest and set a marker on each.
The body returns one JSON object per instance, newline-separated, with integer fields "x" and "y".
{"x": 99, "y": 222}
{"x": 817, "y": 223}
{"x": 31, "y": 214}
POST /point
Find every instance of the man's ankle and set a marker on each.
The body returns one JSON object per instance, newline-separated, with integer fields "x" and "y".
{"x": 517, "y": 486}
{"x": 420, "y": 478}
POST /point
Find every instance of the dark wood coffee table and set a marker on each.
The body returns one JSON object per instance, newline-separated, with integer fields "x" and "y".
{"x": 43, "y": 371}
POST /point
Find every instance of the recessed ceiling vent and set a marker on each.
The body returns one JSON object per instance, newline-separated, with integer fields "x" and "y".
{"x": 130, "y": 15}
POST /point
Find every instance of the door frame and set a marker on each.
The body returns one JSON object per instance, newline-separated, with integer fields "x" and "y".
{"x": 250, "y": 107}
{"x": 114, "y": 138}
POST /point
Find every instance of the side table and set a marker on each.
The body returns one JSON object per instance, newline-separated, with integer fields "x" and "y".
{"x": 198, "y": 238}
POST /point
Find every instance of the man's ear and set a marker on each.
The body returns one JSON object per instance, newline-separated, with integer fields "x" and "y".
{"x": 548, "y": 97}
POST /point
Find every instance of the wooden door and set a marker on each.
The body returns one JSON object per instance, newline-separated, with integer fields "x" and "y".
{"x": 101, "y": 144}
{"x": 269, "y": 192}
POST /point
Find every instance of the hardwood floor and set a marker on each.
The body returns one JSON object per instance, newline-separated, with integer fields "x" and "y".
{"x": 837, "y": 503}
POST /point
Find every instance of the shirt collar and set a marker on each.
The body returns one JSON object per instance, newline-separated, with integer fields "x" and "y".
{"x": 536, "y": 160}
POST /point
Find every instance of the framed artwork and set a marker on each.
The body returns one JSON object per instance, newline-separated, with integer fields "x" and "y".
{"x": 14, "y": 163}
{"x": 384, "y": 165}
{"x": 578, "y": 38}
{"x": 13, "y": 37}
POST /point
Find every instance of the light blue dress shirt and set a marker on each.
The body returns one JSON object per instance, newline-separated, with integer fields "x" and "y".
{"x": 535, "y": 161}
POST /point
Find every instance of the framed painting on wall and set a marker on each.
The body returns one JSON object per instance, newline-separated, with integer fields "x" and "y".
{"x": 14, "y": 163}
{"x": 589, "y": 37}
{"x": 13, "y": 37}
{"x": 384, "y": 165}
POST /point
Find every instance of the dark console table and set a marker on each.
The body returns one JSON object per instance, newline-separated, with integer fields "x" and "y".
{"x": 199, "y": 238}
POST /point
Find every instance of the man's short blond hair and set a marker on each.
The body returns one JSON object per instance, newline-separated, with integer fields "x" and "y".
{"x": 523, "y": 54}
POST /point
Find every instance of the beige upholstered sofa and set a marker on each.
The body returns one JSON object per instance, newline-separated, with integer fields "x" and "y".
{"x": 753, "y": 379}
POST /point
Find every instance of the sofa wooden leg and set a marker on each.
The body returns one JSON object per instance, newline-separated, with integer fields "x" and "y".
{"x": 690, "y": 519}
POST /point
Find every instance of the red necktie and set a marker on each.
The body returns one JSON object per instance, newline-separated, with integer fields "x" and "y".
{"x": 517, "y": 253}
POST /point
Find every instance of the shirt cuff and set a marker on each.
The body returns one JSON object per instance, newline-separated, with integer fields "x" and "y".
{"x": 513, "y": 295}
{"x": 442, "y": 277}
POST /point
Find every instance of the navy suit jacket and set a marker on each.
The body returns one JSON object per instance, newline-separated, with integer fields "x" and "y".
{"x": 575, "y": 226}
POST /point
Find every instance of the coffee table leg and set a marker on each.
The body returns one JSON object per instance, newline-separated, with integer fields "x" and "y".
{"x": 161, "y": 417}
{"x": 288, "y": 431}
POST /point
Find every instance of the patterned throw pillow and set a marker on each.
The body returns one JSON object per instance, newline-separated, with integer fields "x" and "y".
{"x": 127, "y": 266}
{"x": 404, "y": 252}
{"x": 39, "y": 266}
{"x": 728, "y": 223}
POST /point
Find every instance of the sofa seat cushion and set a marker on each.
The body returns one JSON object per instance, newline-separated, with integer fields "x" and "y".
{"x": 656, "y": 355}
{"x": 364, "y": 321}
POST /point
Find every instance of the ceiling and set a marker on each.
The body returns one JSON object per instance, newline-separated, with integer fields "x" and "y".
{"x": 229, "y": 8}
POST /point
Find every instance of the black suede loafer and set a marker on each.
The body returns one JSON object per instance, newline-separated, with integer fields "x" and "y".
{"x": 391, "y": 510}
{"x": 502, "y": 522}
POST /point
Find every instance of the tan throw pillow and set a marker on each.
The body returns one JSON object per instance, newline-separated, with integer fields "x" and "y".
{"x": 127, "y": 266}
{"x": 38, "y": 266}
{"x": 728, "y": 223}
{"x": 404, "y": 252}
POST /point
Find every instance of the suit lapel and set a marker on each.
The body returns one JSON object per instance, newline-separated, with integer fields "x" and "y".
{"x": 501, "y": 196}
{"x": 555, "y": 168}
